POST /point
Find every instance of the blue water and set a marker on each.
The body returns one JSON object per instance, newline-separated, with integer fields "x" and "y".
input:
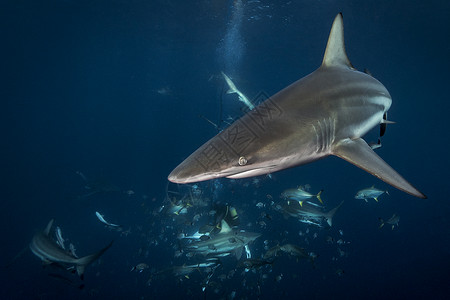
{"x": 115, "y": 90}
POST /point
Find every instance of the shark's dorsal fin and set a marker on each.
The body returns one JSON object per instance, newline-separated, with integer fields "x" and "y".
{"x": 335, "y": 55}
{"x": 225, "y": 227}
{"x": 49, "y": 227}
{"x": 361, "y": 155}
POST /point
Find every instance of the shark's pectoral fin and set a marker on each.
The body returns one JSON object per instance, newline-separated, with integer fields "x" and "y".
{"x": 361, "y": 155}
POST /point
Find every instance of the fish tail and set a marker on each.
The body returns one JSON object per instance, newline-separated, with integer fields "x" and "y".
{"x": 318, "y": 196}
{"x": 86, "y": 260}
{"x": 329, "y": 216}
{"x": 381, "y": 222}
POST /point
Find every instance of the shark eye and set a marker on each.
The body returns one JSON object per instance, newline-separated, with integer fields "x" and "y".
{"x": 242, "y": 161}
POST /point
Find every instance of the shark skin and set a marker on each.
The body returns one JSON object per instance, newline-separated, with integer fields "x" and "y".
{"x": 324, "y": 113}
{"x": 44, "y": 247}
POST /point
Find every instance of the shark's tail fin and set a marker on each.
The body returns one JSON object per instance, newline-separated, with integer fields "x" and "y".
{"x": 86, "y": 260}
{"x": 329, "y": 216}
{"x": 231, "y": 87}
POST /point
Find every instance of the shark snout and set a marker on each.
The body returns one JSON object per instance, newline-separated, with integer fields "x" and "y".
{"x": 178, "y": 175}
{"x": 189, "y": 171}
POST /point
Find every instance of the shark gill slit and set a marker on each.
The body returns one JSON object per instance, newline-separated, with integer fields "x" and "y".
{"x": 325, "y": 134}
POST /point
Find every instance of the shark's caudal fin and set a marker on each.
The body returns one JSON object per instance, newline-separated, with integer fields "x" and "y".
{"x": 335, "y": 55}
{"x": 361, "y": 155}
{"x": 86, "y": 260}
{"x": 231, "y": 87}
{"x": 329, "y": 216}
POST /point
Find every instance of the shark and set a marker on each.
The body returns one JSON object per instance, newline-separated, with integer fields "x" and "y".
{"x": 233, "y": 90}
{"x": 101, "y": 218}
{"x": 325, "y": 113}
{"x": 224, "y": 243}
{"x": 44, "y": 247}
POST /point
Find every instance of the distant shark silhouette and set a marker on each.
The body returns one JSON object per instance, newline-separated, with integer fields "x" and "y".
{"x": 325, "y": 113}
{"x": 44, "y": 247}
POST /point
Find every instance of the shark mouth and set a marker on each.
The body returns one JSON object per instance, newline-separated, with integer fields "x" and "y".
{"x": 252, "y": 172}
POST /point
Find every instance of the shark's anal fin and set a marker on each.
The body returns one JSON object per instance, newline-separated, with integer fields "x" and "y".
{"x": 361, "y": 155}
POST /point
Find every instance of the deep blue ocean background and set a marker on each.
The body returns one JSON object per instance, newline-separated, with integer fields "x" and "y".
{"x": 116, "y": 90}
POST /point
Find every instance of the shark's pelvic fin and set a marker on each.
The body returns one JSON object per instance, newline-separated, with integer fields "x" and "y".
{"x": 335, "y": 55}
{"x": 49, "y": 227}
{"x": 361, "y": 155}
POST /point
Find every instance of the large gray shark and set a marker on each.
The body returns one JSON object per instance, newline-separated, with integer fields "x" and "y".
{"x": 226, "y": 242}
{"x": 325, "y": 113}
{"x": 44, "y": 247}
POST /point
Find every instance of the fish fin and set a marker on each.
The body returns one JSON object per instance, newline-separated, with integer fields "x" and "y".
{"x": 361, "y": 155}
{"x": 335, "y": 55}
{"x": 329, "y": 216}
{"x": 224, "y": 227}
{"x": 86, "y": 260}
{"x": 392, "y": 227}
{"x": 387, "y": 192}
{"x": 301, "y": 203}
{"x": 387, "y": 122}
{"x": 375, "y": 198}
{"x": 49, "y": 227}
{"x": 318, "y": 196}
{"x": 366, "y": 200}
{"x": 381, "y": 222}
